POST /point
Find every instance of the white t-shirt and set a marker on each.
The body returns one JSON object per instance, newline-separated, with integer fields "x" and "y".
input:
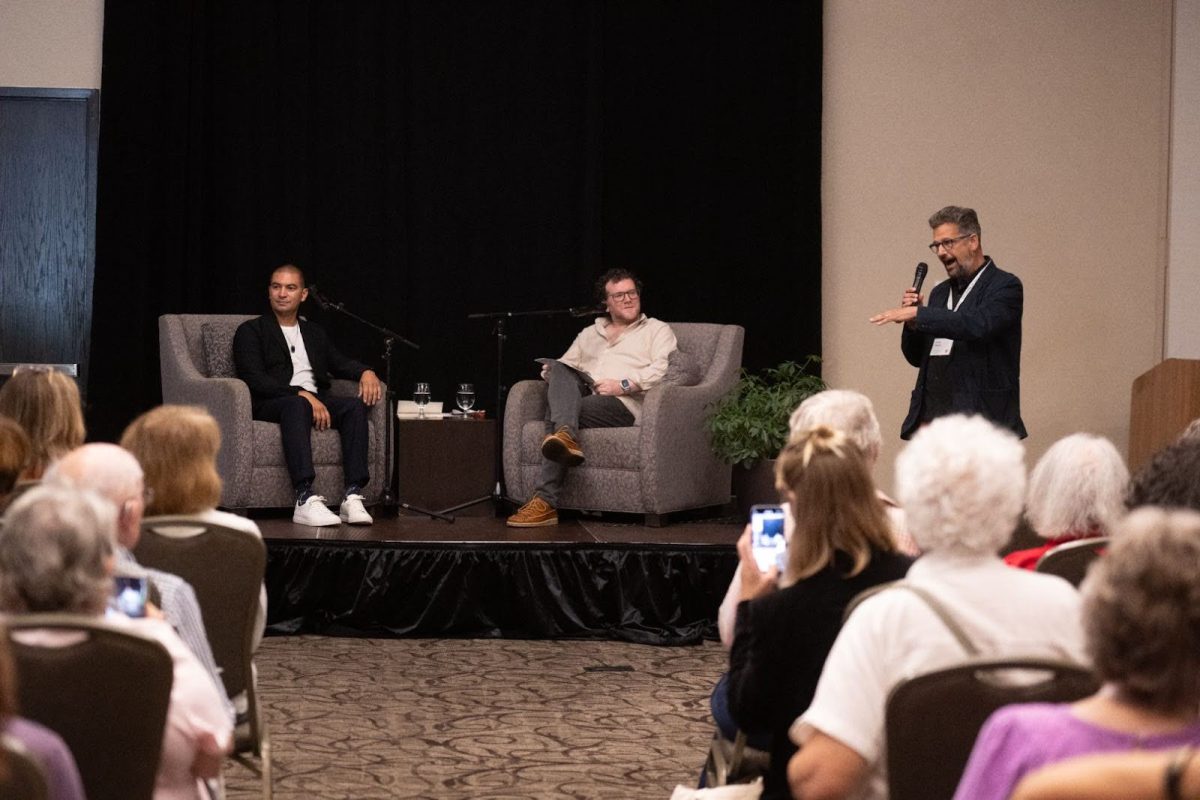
{"x": 302, "y": 371}
{"x": 1005, "y": 612}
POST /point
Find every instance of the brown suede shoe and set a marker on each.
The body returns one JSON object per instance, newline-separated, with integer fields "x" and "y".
{"x": 560, "y": 446}
{"x": 534, "y": 514}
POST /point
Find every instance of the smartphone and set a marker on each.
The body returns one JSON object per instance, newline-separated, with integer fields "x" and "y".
{"x": 766, "y": 536}
{"x": 129, "y": 596}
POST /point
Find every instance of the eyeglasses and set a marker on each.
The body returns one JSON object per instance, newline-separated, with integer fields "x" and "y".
{"x": 947, "y": 243}
{"x": 631, "y": 294}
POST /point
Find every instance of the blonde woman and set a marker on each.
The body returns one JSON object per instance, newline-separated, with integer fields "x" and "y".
{"x": 177, "y": 447}
{"x": 842, "y": 545}
{"x": 45, "y": 403}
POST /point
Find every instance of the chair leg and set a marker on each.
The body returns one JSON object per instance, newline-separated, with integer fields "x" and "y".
{"x": 655, "y": 520}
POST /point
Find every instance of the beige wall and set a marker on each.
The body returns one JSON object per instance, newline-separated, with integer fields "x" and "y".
{"x": 1049, "y": 118}
{"x": 1183, "y": 271}
{"x": 51, "y": 43}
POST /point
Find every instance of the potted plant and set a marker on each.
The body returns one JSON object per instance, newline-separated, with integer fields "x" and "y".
{"x": 749, "y": 426}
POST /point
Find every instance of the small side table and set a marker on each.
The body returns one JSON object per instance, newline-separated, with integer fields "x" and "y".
{"x": 441, "y": 463}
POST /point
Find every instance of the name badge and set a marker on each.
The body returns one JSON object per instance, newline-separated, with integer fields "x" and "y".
{"x": 941, "y": 347}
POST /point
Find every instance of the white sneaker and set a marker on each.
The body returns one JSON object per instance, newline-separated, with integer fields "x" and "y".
{"x": 353, "y": 512}
{"x": 314, "y": 512}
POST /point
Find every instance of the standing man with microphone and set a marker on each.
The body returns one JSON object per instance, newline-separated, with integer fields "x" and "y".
{"x": 966, "y": 343}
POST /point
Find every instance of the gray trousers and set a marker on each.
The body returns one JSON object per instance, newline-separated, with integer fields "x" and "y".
{"x": 572, "y": 408}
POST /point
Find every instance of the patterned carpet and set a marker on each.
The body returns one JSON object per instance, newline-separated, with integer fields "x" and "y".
{"x": 456, "y": 718}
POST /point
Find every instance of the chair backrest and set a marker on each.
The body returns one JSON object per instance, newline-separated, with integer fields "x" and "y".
{"x": 23, "y": 778}
{"x": 225, "y": 567}
{"x": 189, "y": 342}
{"x": 106, "y": 693}
{"x": 716, "y": 348}
{"x": 932, "y": 720}
{"x": 1071, "y": 560}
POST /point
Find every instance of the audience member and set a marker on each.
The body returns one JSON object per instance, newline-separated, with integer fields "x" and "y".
{"x": 961, "y": 481}
{"x": 45, "y": 403}
{"x": 1134, "y": 775}
{"x": 1141, "y": 618}
{"x": 114, "y": 474}
{"x": 44, "y": 745}
{"x": 177, "y": 447}
{"x": 55, "y": 556}
{"x": 1171, "y": 479}
{"x": 1076, "y": 491}
{"x": 853, "y": 414}
{"x": 842, "y": 545}
{"x": 14, "y": 458}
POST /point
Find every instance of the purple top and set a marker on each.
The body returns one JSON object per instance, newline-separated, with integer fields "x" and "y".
{"x": 1019, "y": 739}
{"x": 58, "y": 765}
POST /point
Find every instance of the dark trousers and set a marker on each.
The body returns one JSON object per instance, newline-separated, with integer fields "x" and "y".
{"x": 572, "y": 408}
{"x": 347, "y": 415}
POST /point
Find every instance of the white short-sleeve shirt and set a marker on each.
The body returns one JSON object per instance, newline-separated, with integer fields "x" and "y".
{"x": 893, "y": 636}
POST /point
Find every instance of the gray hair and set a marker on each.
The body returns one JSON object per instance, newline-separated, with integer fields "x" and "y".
{"x": 965, "y": 218}
{"x": 54, "y": 548}
{"x": 1192, "y": 431}
{"x": 1171, "y": 479}
{"x": 843, "y": 410}
{"x": 961, "y": 481}
{"x": 1141, "y": 610}
{"x": 106, "y": 469}
{"x": 1077, "y": 487}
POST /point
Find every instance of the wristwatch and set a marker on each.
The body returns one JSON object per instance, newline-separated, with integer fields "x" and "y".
{"x": 626, "y": 386}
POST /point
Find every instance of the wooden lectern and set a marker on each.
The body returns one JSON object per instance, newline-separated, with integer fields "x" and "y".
{"x": 1165, "y": 399}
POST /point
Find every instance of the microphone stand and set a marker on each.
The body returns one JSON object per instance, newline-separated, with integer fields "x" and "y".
{"x": 388, "y": 500}
{"x": 499, "y": 494}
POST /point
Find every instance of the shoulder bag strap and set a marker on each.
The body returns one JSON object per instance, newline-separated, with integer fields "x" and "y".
{"x": 935, "y": 605}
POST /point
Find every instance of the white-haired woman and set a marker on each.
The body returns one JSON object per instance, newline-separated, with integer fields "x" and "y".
{"x": 961, "y": 481}
{"x": 1141, "y": 617}
{"x": 1076, "y": 491}
{"x": 56, "y": 555}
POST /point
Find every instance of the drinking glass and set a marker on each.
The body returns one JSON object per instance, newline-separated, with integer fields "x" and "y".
{"x": 465, "y": 396}
{"x": 421, "y": 397}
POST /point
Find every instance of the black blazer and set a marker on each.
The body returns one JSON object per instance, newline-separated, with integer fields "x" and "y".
{"x": 985, "y": 361}
{"x": 780, "y": 644}
{"x": 263, "y": 358}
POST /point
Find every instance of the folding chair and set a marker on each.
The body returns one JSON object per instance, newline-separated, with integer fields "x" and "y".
{"x": 931, "y": 721}
{"x": 105, "y": 692}
{"x": 1071, "y": 560}
{"x": 225, "y": 567}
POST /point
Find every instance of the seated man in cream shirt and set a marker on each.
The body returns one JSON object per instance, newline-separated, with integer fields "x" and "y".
{"x": 625, "y": 353}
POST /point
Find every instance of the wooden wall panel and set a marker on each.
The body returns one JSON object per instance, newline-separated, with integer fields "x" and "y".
{"x": 47, "y": 224}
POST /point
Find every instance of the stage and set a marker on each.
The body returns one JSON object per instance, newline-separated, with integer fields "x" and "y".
{"x": 589, "y": 576}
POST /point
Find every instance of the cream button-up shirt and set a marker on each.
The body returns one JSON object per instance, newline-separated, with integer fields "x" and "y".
{"x": 639, "y": 354}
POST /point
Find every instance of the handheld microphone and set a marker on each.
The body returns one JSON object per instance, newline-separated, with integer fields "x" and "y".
{"x": 919, "y": 276}
{"x": 315, "y": 294}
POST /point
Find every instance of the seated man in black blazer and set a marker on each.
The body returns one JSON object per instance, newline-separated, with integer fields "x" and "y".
{"x": 287, "y": 363}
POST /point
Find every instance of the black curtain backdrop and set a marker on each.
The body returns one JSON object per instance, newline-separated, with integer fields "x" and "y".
{"x": 427, "y": 159}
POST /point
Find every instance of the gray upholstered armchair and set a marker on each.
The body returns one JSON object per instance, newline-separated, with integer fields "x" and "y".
{"x": 196, "y": 355}
{"x": 664, "y": 464}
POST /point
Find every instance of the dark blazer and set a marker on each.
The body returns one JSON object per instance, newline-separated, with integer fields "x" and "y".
{"x": 780, "y": 644}
{"x": 985, "y": 361}
{"x": 263, "y": 358}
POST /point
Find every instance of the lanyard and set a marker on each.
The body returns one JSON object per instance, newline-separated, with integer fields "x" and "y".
{"x": 950, "y": 304}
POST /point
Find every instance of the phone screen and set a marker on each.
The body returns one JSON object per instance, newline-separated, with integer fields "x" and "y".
{"x": 129, "y": 596}
{"x": 766, "y": 537}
